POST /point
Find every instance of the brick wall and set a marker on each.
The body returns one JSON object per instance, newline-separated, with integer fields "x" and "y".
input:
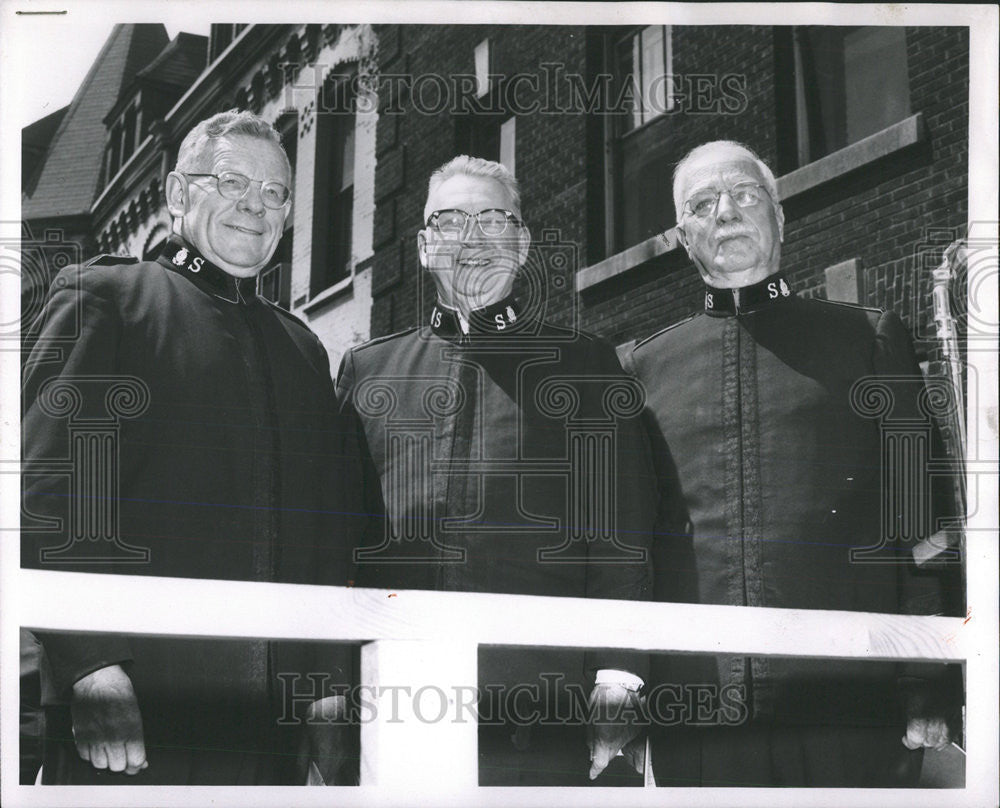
{"x": 550, "y": 157}
{"x": 669, "y": 289}
{"x": 890, "y": 216}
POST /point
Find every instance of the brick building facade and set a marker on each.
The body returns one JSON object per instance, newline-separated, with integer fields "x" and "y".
{"x": 867, "y": 129}
{"x": 865, "y": 217}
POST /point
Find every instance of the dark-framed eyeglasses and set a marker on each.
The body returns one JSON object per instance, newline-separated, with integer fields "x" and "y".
{"x": 233, "y": 185}
{"x": 743, "y": 194}
{"x": 451, "y": 223}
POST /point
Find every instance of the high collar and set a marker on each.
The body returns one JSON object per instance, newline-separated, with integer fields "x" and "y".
{"x": 498, "y": 319}
{"x": 184, "y": 259}
{"x": 747, "y": 299}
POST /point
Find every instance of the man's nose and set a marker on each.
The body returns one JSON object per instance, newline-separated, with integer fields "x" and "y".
{"x": 470, "y": 230}
{"x": 253, "y": 200}
{"x": 726, "y": 210}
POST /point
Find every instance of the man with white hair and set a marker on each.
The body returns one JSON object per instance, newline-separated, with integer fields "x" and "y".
{"x": 750, "y": 411}
{"x": 231, "y": 460}
{"x": 511, "y": 459}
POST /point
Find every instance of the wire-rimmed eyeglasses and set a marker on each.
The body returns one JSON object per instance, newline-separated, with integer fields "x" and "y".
{"x": 743, "y": 194}
{"x": 233, "y": 185}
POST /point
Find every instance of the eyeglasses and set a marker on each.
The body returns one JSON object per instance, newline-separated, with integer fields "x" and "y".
{"x": 451, "y": 223}
{"x": 744, "y": 194}
{"x": 235, "y": 186}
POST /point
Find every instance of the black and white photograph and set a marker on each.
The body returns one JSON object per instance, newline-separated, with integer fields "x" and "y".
{"x": 498, "y": 403}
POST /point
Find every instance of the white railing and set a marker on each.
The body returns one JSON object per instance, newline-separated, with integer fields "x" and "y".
{"x": 418, "y": 639}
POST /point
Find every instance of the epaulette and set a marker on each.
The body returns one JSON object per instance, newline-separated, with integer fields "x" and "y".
{"x": 379, "y": 340}
{"x": 845, "y": 304}
{"x": 107, "y": 260}
{"x": 690, "y": 317}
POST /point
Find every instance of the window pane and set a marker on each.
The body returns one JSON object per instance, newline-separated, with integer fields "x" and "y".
{"x": 347, "y": 158}
{"x": 875, "y": 80}
{"x": 652, "y": 71}
{"x": 636, "y": 81}
{"x": 507, "y": 140}
{"x": 850, "y": 83}
{"x": 482, "y": 60}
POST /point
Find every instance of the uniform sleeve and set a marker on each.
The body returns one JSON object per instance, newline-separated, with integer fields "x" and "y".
{"x": 76, "y": 334}
{"x": 345, "y": 380}
{"x": 627, "y": 577}
{"x": 372, "y": 500}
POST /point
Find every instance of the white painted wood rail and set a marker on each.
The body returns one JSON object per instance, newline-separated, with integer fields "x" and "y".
{"x": 429, "y": 639}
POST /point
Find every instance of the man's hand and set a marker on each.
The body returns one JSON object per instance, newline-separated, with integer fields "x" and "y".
{"x": 615, "y": 712}
{"x": 927, "y": 717}
{"x": 327, "y": 736}
{"x": 927, "y": 732}
{"x": 107, "y": 726}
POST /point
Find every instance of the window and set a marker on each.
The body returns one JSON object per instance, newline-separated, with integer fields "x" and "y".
{"x": 850, "y": 82}
{"x": 481, "y": 57}
{"x": 334, "y": 211}
{"x": 288, "y": 127}
{"x": 124, "y": 135}
{"x": 275, "y": 281}
{"x": 508, "y": 144}
{"x": 221, "y": 36}
{"x": 644, "y": 65}
{"x": 478, "y": 136}
{"x": 638, "y": 161}
{"x": 114, "y": 151}
{"x": 487, "y": 131}
{"x": 128, "y": 135}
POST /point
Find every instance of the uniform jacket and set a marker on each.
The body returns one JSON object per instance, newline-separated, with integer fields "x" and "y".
{"x": 755, "y": 419}
{"x": 511, "y": 459}
{"x": 232, "y": 461}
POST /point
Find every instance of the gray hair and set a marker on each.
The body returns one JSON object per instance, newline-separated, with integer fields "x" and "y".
{"x": 769, "y": 182}
{"x": 477, "y": 167}
{"x": 199, "y": 140}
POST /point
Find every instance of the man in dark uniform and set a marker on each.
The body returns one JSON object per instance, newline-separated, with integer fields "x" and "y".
{"x": 757, "y": 421}
{"x": 511, "y": 459}
{"x": 230, "y": 461}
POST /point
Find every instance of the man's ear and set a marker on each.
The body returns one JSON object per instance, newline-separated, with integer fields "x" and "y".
{"x": 779, "y": 214}
{"x": 177, "y": 194}
{"x": 682, "y": 239}
{"x": 422, "y": 248}
{"x": 523, "y": 245}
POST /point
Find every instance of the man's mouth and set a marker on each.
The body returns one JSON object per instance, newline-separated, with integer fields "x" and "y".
{"x": 730, "y": 236}
{"x": 246, "y": 230}
{"x": 475, "y": 262}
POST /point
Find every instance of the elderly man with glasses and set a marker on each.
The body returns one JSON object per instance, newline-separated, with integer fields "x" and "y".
{"x": 511, "y": 459}
{"x": 232, "y": 462}
{"x": 755, "y": 417}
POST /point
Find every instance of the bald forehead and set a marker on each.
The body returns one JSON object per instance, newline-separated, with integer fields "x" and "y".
{"x": 717, "y": 169}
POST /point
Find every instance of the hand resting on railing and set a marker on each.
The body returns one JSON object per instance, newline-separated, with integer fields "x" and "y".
{"x": 107, "y": 724}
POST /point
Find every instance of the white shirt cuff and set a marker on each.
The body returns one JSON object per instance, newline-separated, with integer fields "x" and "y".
{"x": 609, "y": 676}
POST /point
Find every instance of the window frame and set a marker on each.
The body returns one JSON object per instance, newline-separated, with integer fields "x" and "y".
{"x": 331, "y": 139}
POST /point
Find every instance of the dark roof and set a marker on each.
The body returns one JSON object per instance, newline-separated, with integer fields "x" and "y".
{"x": 180, "y": 63}
{"x": 67, "y": 182}
{"x": 35, "y": 139}
{"x": 39, "y": 134}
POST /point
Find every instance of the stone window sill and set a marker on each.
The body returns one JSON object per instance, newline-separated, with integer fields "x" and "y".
{"x": 327, "y": 295}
